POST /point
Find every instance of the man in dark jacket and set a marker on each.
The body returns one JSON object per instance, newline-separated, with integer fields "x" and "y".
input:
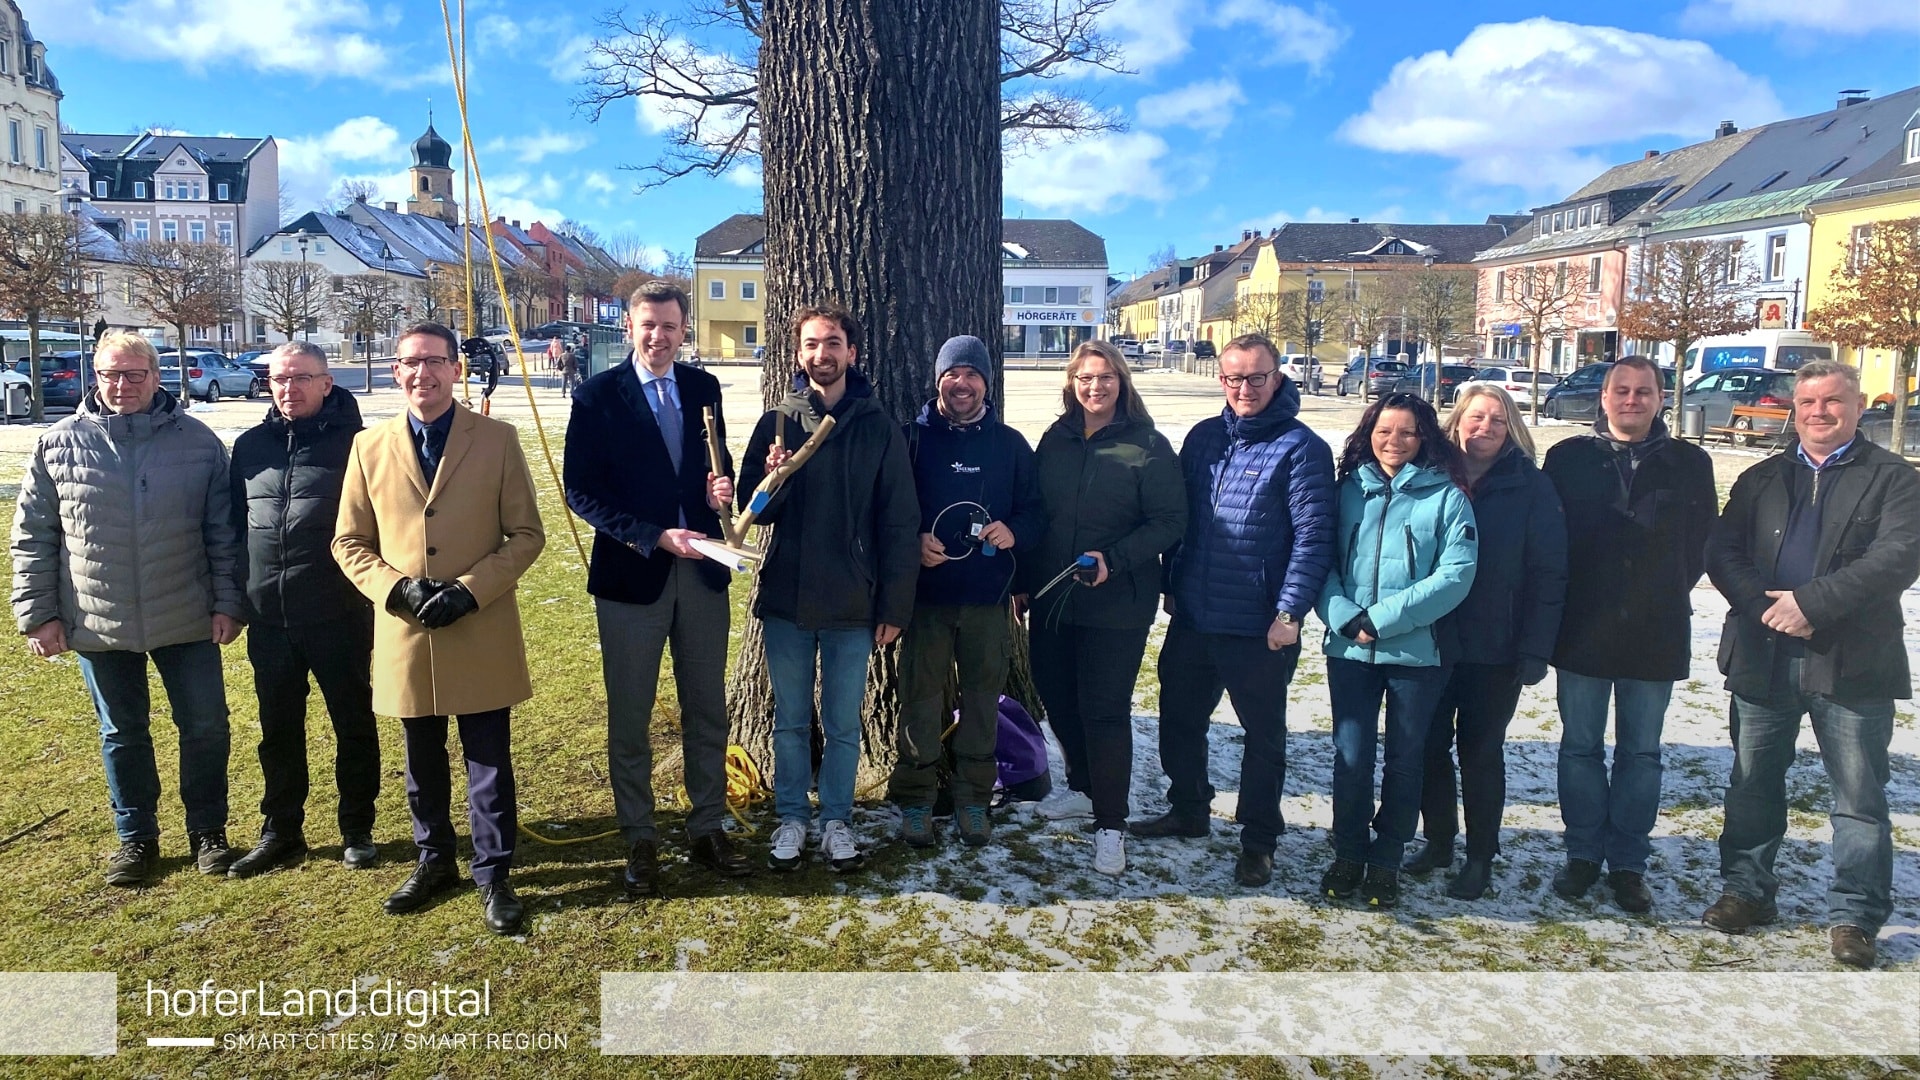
{"x": 979, "y": 503}
{"x": 637, "y": 471}
{"x": 1258, "y": 546}
{"x": 307, "y": 618}
{"x": 838, "y": 577}
{"x": 1639, "y": 506}
{"x": 1815, "y": 548}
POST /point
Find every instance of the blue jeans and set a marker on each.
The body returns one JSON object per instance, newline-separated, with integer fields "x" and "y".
{"x": 842, "y": 656}
{"x": 1609, "y": 819}
{"x": 1354, "y": 689}
{"x": 197, "y": 693}
{"x": 1853, "y": 741}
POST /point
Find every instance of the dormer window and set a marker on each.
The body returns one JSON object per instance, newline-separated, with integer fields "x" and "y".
{"x": 139, "y": 189}
{"x": 1913, "y": 145}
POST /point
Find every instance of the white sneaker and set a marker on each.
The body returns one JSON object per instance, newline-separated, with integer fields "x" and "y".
{"x": 789, "y": 840}
{"x": 1110, "y": 851}
{"x": 838, "y": 848}
{"x": 1065, "y": 806}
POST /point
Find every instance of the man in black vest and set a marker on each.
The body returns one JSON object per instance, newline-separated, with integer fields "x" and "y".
{"x": 637, "y": 471}
{"x": 307, "y": 617}
{"x": 1816, "y": 546}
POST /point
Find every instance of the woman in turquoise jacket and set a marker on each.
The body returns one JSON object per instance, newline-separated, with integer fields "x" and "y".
{"x": 1405, "y": 559}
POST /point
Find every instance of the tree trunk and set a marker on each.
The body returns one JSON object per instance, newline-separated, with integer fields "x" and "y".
{"x": 186, "y": 387}
{"x": 37, "y": 410}
{"x": 881, "y": 156}
{"x": 1902, "y": 387}
{"x": 1539, "y": 346}
{"x": 1676, "y": 416}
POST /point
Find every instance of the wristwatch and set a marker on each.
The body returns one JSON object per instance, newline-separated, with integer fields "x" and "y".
{"x": 1284, "y": 617}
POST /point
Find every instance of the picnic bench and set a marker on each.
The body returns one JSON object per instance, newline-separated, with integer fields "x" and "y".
{"x": 1746, "y": 418}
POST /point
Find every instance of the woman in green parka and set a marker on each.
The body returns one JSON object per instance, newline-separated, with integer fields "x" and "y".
{"x": 1113, "y": 492}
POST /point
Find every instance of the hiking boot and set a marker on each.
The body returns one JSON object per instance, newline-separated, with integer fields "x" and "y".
{"x": 1472, "y": 881}
{"x": 1381, "y": 889}
{"x": 1172, "y": 823}
{"x": 1851, "y": 946}
{"x": 1574, "y": 879}
{"x": 789, "y": 844}
{"x": 1432, "y": 855}
{"x": 1736, "y": 914}
{"x": 838, "y": 848}
{"x": 1110, "y": 852}
{"x": 272, "y": 851}
{"x": 211, "y": 853}
{"x": 1253, "y": 869}
{"x": 1342, "y": 879}
{"x": 1067, "y": 805}
{"x": 916, "y": 826}
{"x": 1630, "y": 891}
{"x": 133, "y": 863}
{"x": 974, "y": 824}
{"x": 357, "y": 850}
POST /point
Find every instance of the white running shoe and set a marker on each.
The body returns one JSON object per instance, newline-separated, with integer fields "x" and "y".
{"x": 838, "y": 848}
{"x": 789, "y": 840}
{"x": 1110, "y": 851}
{"x": 1065, "y": 805}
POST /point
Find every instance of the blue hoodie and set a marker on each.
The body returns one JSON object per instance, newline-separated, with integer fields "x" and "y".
{"x": 1407, "y": 551}
{"x": 985, "y": 462}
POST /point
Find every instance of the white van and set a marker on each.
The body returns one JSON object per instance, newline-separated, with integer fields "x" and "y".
{"x": 1779, "y": 350}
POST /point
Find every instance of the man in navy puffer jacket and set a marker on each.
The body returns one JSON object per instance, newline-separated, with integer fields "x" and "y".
{"x": 1258, "y": 547}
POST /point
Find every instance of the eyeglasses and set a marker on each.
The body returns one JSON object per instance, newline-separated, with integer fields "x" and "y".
{"x": 284, "y": 381}
{"x": 1256, "y": 380}
{"x": 133, "y": 377}
{"x": 1096, "y": 380}
{"x": 415, "y": 363}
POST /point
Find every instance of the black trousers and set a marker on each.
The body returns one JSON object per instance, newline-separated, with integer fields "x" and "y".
{"x": 1195, "y": 670}
{"x": 338, "y": 654}
{"x": 492, "y": 815}
{"x": 1085, "y": 676}
{"x": 1476, "y": 707}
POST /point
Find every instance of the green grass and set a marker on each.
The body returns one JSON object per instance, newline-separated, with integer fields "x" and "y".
{"x": 318, "y": 924}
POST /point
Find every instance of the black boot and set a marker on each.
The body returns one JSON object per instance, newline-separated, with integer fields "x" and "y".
{"x": 1381, "y": 888}
{"x": 1430, "y": 856}
{"x": 1472, "y": 880}
{"x": 1341, "y": 880}
{"x": 1172, "y": 823}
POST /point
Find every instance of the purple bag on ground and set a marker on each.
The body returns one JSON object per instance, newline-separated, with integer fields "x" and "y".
{"x": 1020, "y": 751}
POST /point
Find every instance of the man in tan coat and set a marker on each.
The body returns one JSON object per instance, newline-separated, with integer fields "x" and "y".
{"x": 438, "y": 521}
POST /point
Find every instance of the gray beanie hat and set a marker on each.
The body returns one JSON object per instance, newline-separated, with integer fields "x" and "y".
{"x": 964, "y": 350}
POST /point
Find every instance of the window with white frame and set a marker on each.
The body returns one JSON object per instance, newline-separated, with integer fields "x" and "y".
{"x": 319, "y": 247}
{"x": 6, "y": 56}
{"x": 224, "y": 230}
{"x": 1593, "y": 274}
{"x": 169, "y": 231}
{"x": 222, "y": 192}
{"x": 99, "y": 189}
{"x": 749, "y": 290}
{"x": 1086, "y": 294}
{"x": 139, "y": 189}
{"x": 197, "y": 231}
{"x": 1857, "y": 247}
{"x": 750, "y": 334}
{"x": 1499, "y": 284}
{"x": 1316, "y": 291}
{"x": 1777, "y": 257}
{"x": 1584, "y": 212}
{"x": 716, "y": 289}
{"x": 1050, "y": 295}
{"x": 339, "y": 284}
{"x": 13, "y": 141}
{"x": 199, "y": 333}
{"x": 1016, "y": 294}
{"x": 1913, "y": 146}
{"x": 140, "y": 230}
{"x": 1732, "y": 261}
{"x": 286, "y": 247}
{"x": 1558, "y": 220}
{"x": 166, "y": 189}
{"x": 39, "y": 147}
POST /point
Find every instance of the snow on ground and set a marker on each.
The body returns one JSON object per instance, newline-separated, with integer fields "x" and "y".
{"x": 1032, "y": 901}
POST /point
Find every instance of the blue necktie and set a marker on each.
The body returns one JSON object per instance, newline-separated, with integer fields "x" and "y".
{"x": 434, "y": 444}
{"x": 669, "y": 419}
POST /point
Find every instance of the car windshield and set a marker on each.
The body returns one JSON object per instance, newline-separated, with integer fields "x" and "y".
{"x": 1733, "y": 356}
{"x": 1457, "y": 371}
{"x": 1389, "y": 367}
{"x": 1790, "y": 357}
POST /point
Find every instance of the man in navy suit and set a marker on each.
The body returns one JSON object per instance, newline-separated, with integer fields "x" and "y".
{"x": 637, "y": 471}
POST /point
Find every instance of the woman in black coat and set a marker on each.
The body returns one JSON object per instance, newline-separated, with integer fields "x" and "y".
{"x": 1503, "y": 634}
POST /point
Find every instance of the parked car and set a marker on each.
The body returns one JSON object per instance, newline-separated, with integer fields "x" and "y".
{"x": 1151, "y": 347}
{"x": 1577, "y": 397}
{"x": 1371, "y": 375}
{"x": 210, "y": 376}
{"x": 62, "y": 381}
{"x": 1516, "y": 381}
{"x": 1299, "y": 367}
{"x": 1717, "y": 392}
{"x": 1876, "y": 425}
{"x": 1129, "y": 347}
{"x": 1203, "y": 350}
{"x": 1434, "y": 381}
{"x": 255, "y": 360}
{"x": 1177, "y": 347}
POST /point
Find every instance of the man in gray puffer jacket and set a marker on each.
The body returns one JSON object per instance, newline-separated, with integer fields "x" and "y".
{"x": 124, "y": 548}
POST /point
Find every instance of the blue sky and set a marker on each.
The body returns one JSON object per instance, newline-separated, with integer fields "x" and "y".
{"x": 1240, "y": 113}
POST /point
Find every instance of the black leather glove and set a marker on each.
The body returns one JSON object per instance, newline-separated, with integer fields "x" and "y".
{"x": 448, "y": 606}
{"x": 1355, "y": 625}
{"x": 409, "y": 595}
{"x": 1532, "y": 670}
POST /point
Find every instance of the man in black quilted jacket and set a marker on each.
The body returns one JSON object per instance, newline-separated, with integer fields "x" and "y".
{"x": 306, "y": 617}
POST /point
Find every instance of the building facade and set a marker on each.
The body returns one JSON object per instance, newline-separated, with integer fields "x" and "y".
{"x": 1887, "y": 190}
{"x": 30, "y": 102}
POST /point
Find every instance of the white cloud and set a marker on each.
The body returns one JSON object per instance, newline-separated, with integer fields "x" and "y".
{"x": 1390, "y": 213}
{"x": 1528, "y": 103}
{"x": 1834, "y": 16}
{"x": 1204, "y": 106}
{"x": 568, "y": 63}
{"x": 744, "y": 175}
{"x": 532, "y": 149}
{"x": 496, "y": 32}
{"x": 1092, "y": 174}
{"x": 309, "y": 37}
{"x": 312, "y": 166}
{"x": 1153, "y": 33}
{"x": 596, "y": 180}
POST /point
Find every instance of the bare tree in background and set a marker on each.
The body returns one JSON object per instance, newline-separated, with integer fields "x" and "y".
{"x": 1257, "y": 312}
{"x": 1689, "y": 290}
{"x": 183, "y": 285}
{"x": 366, "y": 305}
{"x": 1875, "y": 304}
{"x": 528, "y": 289}
{"x": 1160, "y": 258}
{"x": 348, "y": 192}
{"x": 282, "y": 293}
{"x": 1440, "y": 303}
{"x": 1541, "y": 295}
{"x": 41, "y": 266}
{"x": 697, "y": 73}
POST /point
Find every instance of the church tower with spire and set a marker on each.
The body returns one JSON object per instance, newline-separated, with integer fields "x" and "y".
{"x": 430, "y": 180}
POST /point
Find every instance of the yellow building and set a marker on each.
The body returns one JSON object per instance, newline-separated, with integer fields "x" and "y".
{"x": 1887, "y": 190}
{"x": 729, "y": 288}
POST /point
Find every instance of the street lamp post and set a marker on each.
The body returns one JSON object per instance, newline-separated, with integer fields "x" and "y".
{"x": 79, "y": 287}
{"x": 386, "y": 256}
{"x": 306, "y": 287}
